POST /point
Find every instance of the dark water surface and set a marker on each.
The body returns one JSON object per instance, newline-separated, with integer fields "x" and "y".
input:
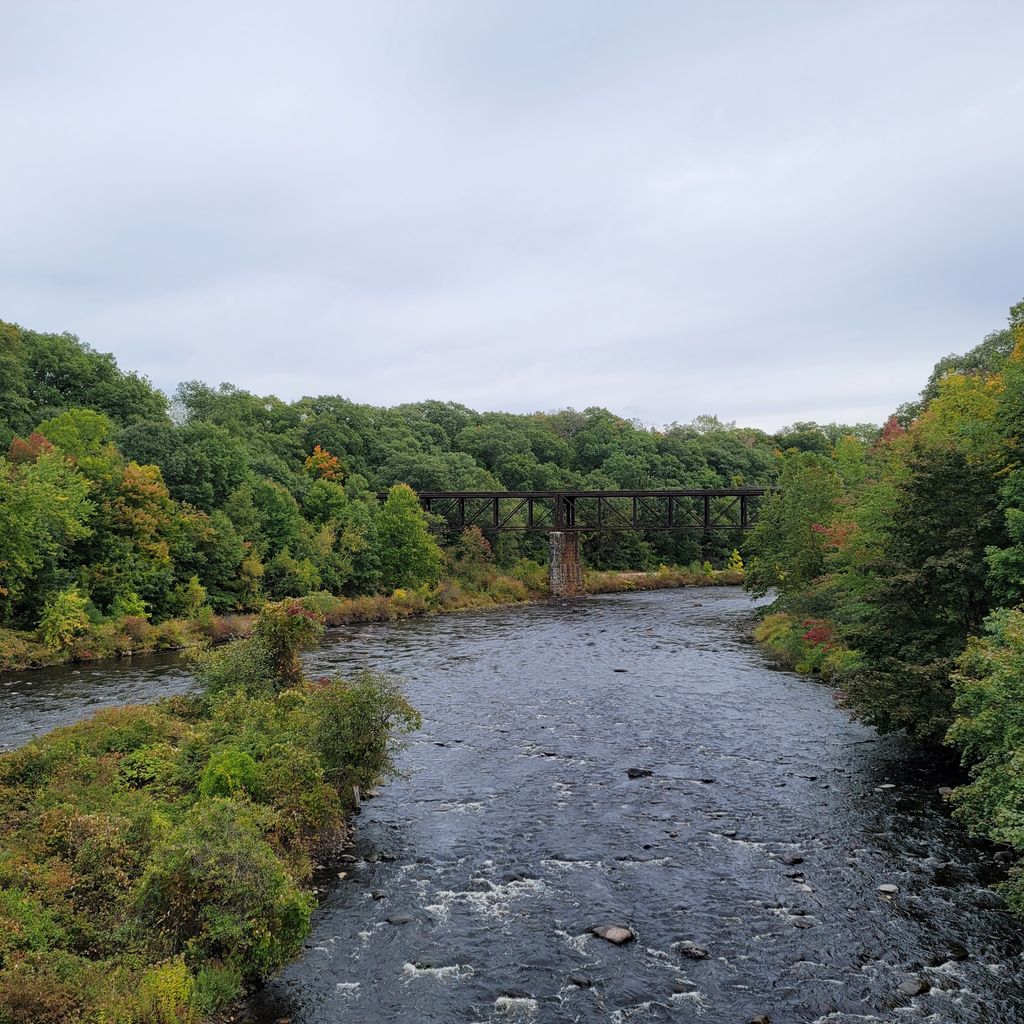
{"x": 518, "y": 830}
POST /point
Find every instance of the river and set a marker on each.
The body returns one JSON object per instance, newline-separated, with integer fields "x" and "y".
{"x": 474, "y": 881}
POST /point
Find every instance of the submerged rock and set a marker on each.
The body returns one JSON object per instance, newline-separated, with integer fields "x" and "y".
{"x": 617, "y": 935}
{"x": 580, "y": 981}
{"x": 639, "y": 773}
{"x": 692, "y": 951}
{"x": 888, "y": 889}
{"x": 791, "y": 859}
{"x": 914, "y": 987}
{"x": 952, "y": 951}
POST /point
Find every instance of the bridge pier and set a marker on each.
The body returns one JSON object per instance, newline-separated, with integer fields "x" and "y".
{"x": 565, "y": 575}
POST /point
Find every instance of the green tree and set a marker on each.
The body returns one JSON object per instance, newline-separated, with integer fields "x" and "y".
{"x": 44, "y": 510}
{"x": 15, "y": 407}
{"x": 787, "y": 546}
{"x": 409, "y": 555}
{"x": 929, "y": 592}
{"x": 201, "y": 463}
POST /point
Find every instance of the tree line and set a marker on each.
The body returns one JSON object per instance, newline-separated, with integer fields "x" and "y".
{"x": 116, "y": 501}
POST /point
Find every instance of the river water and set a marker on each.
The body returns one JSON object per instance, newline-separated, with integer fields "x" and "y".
{"x": 474, "y": 882}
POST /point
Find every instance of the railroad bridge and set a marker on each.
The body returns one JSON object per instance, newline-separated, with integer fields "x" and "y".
{"x": 565, "y": 514}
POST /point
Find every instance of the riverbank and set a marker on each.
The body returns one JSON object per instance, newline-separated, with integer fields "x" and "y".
{"x": 134, "y": 635}
{"x": 804, "y": 644}
{"x": 156, "y": 859}
{"x": 977, "y": 749}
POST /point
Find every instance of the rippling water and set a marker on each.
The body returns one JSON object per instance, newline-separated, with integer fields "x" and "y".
{"x": 475, "y": 881}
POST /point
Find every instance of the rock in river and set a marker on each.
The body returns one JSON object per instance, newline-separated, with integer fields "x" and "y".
{"x": 692, "y": 950}
{"x": 914, "y": 987}
{"x": 616, "y": 934}
{"x": 639, "y": 773}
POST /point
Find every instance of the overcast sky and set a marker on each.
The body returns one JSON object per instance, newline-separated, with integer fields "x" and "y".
{"x": 771, "y": 211}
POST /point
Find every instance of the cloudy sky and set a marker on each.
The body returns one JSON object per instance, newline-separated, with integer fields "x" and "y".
{"x": 769, "y": 211}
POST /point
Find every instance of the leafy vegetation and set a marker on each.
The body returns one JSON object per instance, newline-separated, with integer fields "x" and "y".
{"x": 155, "y": 859}
{"x": 898, "y": 568}
{"x": 130, "y": 523}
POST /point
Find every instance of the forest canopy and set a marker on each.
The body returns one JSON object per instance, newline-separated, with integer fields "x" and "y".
{"x": 115, "y": 501}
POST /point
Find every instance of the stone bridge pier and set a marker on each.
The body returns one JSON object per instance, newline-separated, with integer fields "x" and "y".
{"x": 565, "y": 575}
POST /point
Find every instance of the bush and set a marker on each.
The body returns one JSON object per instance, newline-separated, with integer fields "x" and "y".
{"x": 266, "y": 661}
{"x": 231, "y": 772}
{"x": 321, "y": 603}
{"x": 155, "y": 857}
{"x": 216, "y": 891}
{"x": 531, "y": 574}
{"x": 506, "y": 590}
{"x": 989, "y": 732}
{"x": 165, "y": 993}
{"x": 136, "y": 628}
{"x": 215, "y": 989}
{"x": 806, "y": 645}
{"x": 64, "y": 619}
{"x": 189, "y": 597}
{"x": 355, "y": 728}
{"x": 128, "y": 603}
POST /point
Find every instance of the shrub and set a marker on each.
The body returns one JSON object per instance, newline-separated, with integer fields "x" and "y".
{"x": 531, "y": 574}
{"x": 153, "y": 857}
{"x": 189, "y": 597}
{"x": 506, "y": 590}
{"x": 215, "y": 988}
{"x": 355, "y": 726}
{"x": 215, "y": 890}
{"x": 37, "y": 996}
{"x": 231, "y": 772}
{"x": 127, "y": 603}
{"x": 321, "y": 603}
{"x": 25, "y": 923}
{"x": 266, "y": 661}
{"x": 165, "y": 993}
{"x": 136, "y": 628}
{"x": 64, "y": 619}
{"x": 471, "y": 558}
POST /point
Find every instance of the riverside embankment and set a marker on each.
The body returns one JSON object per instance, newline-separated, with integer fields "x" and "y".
{"x": 762, "y": 836}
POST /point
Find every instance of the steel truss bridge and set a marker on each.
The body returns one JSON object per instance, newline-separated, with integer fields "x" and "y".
{"x": 588, "y": 511}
